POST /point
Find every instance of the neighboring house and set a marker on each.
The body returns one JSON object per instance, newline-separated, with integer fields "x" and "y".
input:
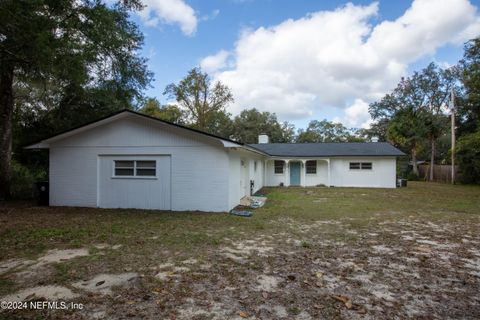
{"x": 130, "y": 160}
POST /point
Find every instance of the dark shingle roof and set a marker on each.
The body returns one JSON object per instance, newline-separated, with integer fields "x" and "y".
{"x": 336, "y": 149}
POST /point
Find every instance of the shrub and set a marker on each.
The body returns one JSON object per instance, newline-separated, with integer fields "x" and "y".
{"x": 468, "y": 158}
{"x": 23, "y": 179}
{"x": 402, "y": 167}
{"x": 412, "y": 176}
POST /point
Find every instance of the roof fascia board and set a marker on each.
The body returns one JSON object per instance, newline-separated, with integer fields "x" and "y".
{"x": 253, "y": 150}
{"x": 85, "y": 128}
{"x": 38, "y": 145}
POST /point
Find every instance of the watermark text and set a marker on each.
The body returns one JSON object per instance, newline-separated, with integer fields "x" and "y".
{"x": 40, "y": 305}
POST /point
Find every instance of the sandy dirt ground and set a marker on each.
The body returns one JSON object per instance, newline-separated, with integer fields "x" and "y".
{"x": 390, "y": 259}
{"x": 400, "y": 268}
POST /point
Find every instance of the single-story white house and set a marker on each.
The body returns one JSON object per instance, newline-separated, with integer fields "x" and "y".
{"x": 130, "y": 160}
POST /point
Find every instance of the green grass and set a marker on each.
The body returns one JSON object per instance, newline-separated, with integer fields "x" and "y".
{"x": 27, "y": 232}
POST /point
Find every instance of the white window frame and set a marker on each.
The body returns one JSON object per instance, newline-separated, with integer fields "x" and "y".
{"x": 283, "y": 168}
{"x": 354, "y": 169}
{"x": 360, "y": 166}
{"x": 306, "y": 166}
{"x": 134, "y": 176}
{"x": 362, "y": 163}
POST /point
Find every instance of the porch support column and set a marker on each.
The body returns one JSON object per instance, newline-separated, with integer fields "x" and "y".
{"x": 287, "y": 173}
{"x": 265, "y": 168}
{"x": 303, "y": 173}
{"x": 329, "y": 181}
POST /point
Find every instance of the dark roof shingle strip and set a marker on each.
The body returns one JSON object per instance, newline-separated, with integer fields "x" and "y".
{"x": 283, "y": 149}
{"x": 329, "y": 149}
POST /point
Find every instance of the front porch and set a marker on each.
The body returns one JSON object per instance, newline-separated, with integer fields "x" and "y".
{"x": 297, "y": 172}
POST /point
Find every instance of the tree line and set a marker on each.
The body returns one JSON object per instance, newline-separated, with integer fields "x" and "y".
{"x": 202, "y": 104}
{"x": 416, "y": 114}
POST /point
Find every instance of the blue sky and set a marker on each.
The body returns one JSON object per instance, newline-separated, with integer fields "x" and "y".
{"x": 304, "y": 60}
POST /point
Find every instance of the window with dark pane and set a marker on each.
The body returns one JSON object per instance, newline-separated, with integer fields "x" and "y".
{"x": 366, "y": 166}
{"x": 124, "y": 168}
{"x": 146, "y": 168}
{"x": 278, "y": 166}
{"x": 311, "y": 166}
{"x": 354, "y": 165}
{"x": 135, "y": 168}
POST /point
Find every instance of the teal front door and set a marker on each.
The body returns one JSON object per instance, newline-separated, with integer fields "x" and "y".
{"x": 294, "y": 173}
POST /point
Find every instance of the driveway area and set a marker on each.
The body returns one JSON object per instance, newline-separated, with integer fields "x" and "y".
{"x": 309, "y": 253}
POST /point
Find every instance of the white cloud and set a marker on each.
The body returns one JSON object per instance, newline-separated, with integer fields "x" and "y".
{"x": 356, "y": 115}
{"x": 329, "y": 58}
{"x": 215, "y": 62}
{"x": 170, "y": 12}
{"x": 210, "y": 16}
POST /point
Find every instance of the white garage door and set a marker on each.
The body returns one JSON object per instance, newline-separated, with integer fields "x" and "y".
{"x": 142, "y": 182}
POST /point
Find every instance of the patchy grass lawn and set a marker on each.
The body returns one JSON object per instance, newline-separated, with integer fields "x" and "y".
{"x": 308, "y": 254}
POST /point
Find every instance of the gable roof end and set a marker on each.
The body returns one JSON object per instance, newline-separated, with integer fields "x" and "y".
{"x": 44, "y": 143}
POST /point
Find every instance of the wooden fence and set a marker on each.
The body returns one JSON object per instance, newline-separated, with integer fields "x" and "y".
{"x": 441, "y": 172}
